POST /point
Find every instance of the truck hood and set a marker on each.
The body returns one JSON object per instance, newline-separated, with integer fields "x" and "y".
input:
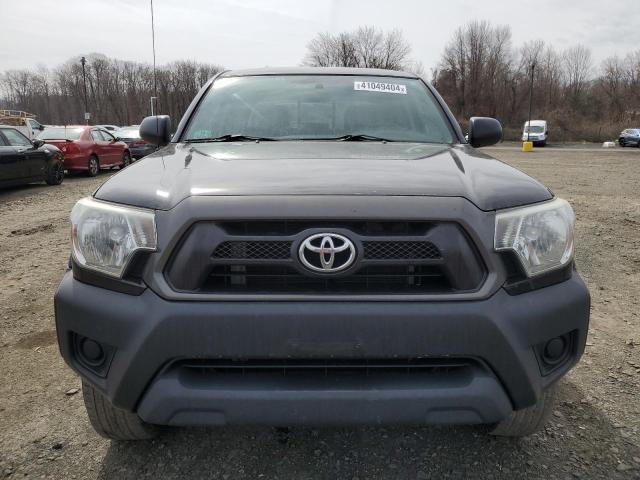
{"x": 165, "y": 178}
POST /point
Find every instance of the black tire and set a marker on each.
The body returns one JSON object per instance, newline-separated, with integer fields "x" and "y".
{"x": 113, "y": 422}
{"x": 93, "y": 166}
{"x": 528, "y": 420}
{"x": 126, "y": 160}
{"x": 54, "y": 173}
{"x": 622, "y": 144}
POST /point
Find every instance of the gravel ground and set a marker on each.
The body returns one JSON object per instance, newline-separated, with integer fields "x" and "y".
{"x": 593, "y": 433}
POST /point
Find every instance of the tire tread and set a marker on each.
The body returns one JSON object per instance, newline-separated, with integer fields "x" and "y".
{"x": 528, "y": 420}
{"x": 113, "y": 422}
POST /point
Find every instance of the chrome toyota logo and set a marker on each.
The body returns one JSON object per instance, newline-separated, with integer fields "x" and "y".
{"x": 327, "y": 252}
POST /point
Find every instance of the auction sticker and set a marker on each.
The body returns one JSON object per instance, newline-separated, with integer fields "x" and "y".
{"x": 380, "y": 87}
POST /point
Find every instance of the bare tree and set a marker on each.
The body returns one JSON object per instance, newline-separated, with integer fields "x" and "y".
{"x": 577, "y": 67}
{"x": 475, "y": 63}
{"x": 612, "y": 83}
{"x": 366, "y": 47}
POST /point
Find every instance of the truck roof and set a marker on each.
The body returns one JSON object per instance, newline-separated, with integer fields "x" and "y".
{"x": 318, "y": 71}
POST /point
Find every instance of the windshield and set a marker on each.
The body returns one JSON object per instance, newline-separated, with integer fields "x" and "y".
{"x": 534, "y": 129}
{"x": 60, "y": 133}
{"x": 308, "y": 107}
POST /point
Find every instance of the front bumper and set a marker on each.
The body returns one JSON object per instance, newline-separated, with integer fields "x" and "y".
{"x": 149, "y": 334}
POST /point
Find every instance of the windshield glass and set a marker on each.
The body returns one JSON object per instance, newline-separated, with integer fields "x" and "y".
{"x": 60, "y": 133}
{"x": 307, "y": 107}
{"x": 534, "y": 129}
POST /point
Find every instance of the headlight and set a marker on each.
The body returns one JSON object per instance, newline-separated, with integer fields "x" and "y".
{"x": 105, "y": 236}
{"x": 540, "y": 235}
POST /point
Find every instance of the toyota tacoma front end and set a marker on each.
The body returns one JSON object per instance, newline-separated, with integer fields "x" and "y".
{"x": 320, "y": 246}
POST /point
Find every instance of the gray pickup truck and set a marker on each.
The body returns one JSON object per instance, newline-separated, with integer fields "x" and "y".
{"x": 320, "y": 246}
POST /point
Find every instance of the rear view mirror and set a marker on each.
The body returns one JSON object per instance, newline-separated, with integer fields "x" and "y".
{"x": 484, "y": 131}
{"x": 37, "y": 143}
{"x": 156, "y": 130}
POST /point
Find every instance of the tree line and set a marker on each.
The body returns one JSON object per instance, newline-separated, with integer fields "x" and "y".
{"x": 480, "y": 73}
{"x": 118, "y": 92}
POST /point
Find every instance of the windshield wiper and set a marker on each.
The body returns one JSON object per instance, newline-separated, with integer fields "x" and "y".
{"x": 235, "y": 137}
{"x": 353, "y": 137}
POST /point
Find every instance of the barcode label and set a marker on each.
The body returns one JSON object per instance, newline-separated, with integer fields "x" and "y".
{"x": 380, "y": 87}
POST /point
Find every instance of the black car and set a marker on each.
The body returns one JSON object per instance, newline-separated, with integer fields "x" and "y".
{"x": 23, "y": 161}
{"x": 630, "y": 137}
{"x": 320, "y": 246}
{"x": 137, "y": 146}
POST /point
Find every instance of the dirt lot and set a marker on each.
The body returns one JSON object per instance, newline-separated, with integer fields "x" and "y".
{"x": 594, "y": 431}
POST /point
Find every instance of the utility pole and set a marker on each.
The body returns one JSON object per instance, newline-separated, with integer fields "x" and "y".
{"x": 84, "y": 80}
{"x": 533, "y": 66}
{"x": 154, "y": 98}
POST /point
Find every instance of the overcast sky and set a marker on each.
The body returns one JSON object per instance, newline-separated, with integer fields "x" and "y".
{"x": 255, "y": 33}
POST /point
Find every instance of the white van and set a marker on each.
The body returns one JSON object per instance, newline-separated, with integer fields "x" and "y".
{"x": 537, "y": 134}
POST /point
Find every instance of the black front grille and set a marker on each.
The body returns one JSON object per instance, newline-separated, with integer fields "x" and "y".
{"x": 280, "y": 250}
{"x": 262, "y": 279}
{"x": 397, "y": 250}
{"x": 261, "y": 258}
{"x": 255, "y": 250}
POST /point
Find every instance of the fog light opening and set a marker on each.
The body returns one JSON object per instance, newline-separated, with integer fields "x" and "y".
{"x": 92, "y": 352}
{"x": 554, "y": 350}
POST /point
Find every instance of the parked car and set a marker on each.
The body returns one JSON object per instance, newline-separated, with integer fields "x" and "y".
{"x": 137, "y": 146}
{"x": 88, "y": 149}
{"x": 25, "y": 122}
{"x": 538, "y": 132}
{"x": 320, "y": 246}
{"x": 110, "y": 128}
{"x": 25, "y": 161}
{"x": 630, "y": 137}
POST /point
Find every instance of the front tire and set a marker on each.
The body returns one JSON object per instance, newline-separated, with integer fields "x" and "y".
{"x": 528, "y": 420}
{"x": 54, "y": 173}
{"x": 113, "y": 422}
{"x": 93, "y": 166}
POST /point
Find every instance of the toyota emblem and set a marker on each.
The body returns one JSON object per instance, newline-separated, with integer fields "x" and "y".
{"x": 327, "y": 252}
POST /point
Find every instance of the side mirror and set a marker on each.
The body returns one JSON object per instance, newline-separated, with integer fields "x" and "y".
{"x": 484, "y": 131}
{"x": 156, "y": 130}
{"x": 41, "y": 127}
{"x": 37, "y": 143}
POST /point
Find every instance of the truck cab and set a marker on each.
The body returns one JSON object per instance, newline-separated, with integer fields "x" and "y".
{"x": 25, "y": 122}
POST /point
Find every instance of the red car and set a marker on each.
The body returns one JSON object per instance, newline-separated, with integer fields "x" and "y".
{"x": 87, "y": 149}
